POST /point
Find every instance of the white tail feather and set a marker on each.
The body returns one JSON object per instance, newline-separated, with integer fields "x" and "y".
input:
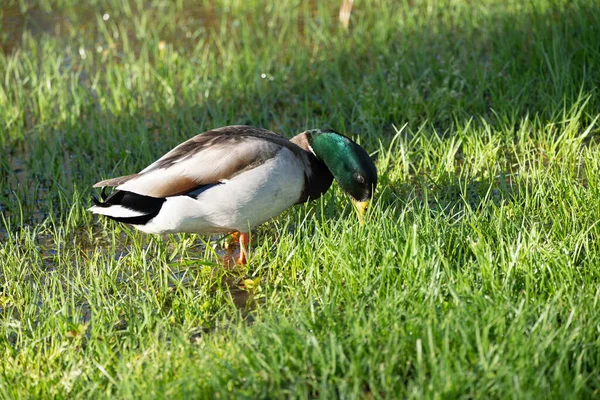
{"x": 116, "y": 211}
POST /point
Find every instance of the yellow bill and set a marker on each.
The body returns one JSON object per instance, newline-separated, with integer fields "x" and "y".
{"x": 361, "y": 209}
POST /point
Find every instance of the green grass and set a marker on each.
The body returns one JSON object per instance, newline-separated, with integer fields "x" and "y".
{"x": 476, "y": 275}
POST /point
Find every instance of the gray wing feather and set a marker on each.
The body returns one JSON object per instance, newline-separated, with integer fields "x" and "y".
{"x": 208, "y": 158}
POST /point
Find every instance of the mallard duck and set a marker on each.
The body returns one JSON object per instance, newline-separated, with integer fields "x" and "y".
{"x": 235, "y": 178}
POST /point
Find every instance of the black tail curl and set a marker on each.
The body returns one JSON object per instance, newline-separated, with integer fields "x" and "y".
{"x": 103, "y": 197}
{"x": 147, "y": 205}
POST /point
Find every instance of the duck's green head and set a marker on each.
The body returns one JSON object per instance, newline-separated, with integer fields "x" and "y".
{"x": 349, "y": 163}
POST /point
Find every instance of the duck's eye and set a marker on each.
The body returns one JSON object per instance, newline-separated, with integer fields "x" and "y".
{"x": 359, "y": 178}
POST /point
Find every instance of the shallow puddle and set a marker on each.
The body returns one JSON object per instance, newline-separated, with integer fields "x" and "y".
{"x": 68, "y": 20}
{"x": 183, "y": 271}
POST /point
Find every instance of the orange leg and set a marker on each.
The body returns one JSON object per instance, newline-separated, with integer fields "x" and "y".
{"x": 244, "y": 242}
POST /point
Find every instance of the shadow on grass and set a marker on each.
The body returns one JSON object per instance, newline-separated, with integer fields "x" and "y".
{"x": 499, "y": 68}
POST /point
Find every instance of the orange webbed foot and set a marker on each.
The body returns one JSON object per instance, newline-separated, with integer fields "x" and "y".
{"x": 241, "y": 238}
